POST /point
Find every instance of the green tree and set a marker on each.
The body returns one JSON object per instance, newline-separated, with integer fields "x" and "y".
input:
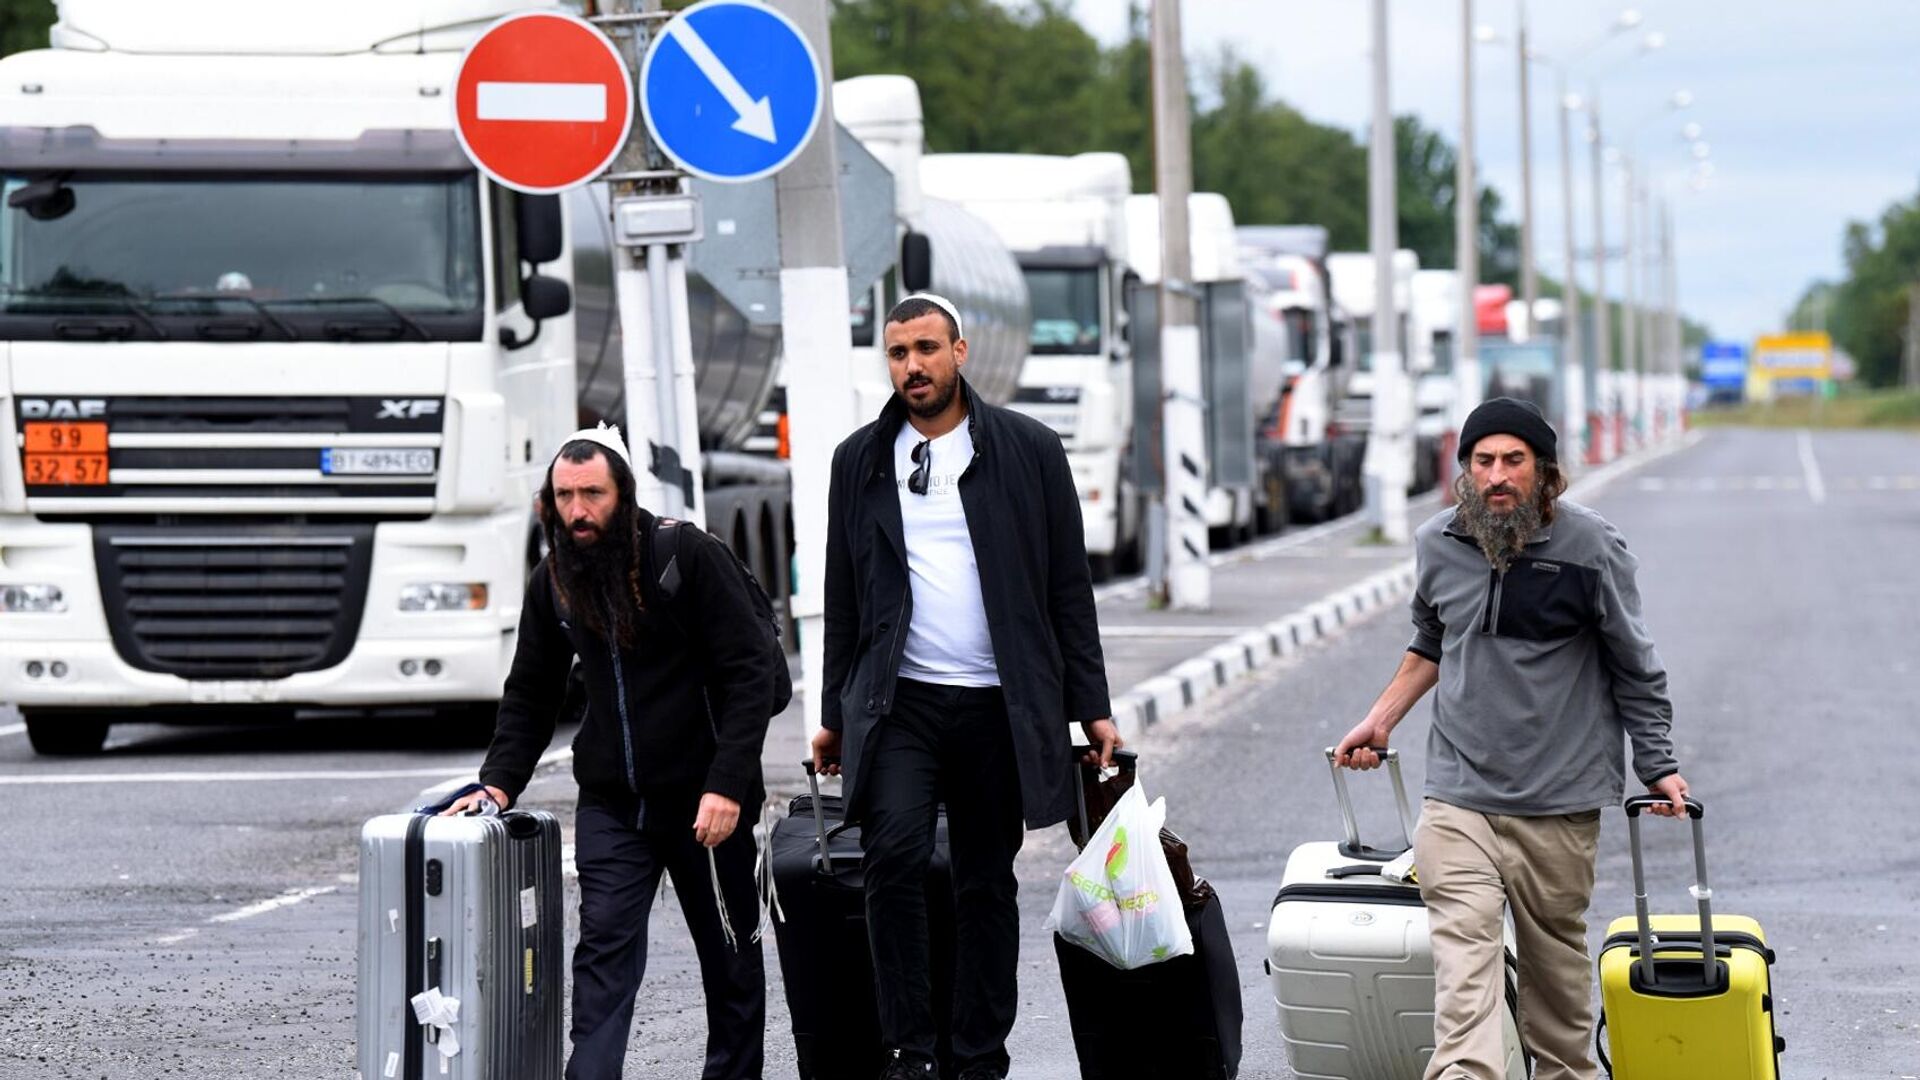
{"x": 24, "y": 24}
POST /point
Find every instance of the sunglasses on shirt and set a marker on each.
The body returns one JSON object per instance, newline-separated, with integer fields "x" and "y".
{"x": 922, "y": 458}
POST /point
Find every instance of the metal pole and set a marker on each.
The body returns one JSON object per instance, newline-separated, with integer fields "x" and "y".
{"x": 1529, "y": 277}
{"x": 1573, "y": 404}
{"x": 1389, "y": 459}
{"x": 649, "y": 281}
{"x": 1600, "y": 424}
{"x": 1630, "y": 304}
{"x": 1646, "y": 362}
{"x": 1466, "y": 246}
{"x": 817, "y": 346}
{"x": 1183, "y": 406}
{"x": 1676, "y": 378}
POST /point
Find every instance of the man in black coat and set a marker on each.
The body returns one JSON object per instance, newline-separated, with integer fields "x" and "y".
{"x": 961, "y": 641}
{"x": 679, "y": 691}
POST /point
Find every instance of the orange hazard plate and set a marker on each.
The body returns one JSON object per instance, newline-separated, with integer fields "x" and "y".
{"x": 66, "y": 469}
{"x": 85, "y": 437}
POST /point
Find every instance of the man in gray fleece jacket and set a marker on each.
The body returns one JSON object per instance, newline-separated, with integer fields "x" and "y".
{"x": 1527, "y": 618}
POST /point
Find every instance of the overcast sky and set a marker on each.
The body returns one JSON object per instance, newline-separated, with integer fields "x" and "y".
{"x": 1811, "y": 110}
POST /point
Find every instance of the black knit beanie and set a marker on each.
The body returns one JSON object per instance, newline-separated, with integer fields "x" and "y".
{"x": 1510, "y": 416}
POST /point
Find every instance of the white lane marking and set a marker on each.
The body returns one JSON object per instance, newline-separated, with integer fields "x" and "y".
{"x": 1816, "y": 489}
{"x": 285, "y": 899}
{"x": 11, "y": 729}
{"x": 1653, "y": 483}
{"x": 1877, "y": 483}
{"x": 217, "y": 777}
{"x": 540, "y": 101}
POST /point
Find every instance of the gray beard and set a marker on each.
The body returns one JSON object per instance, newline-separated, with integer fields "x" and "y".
{"x": 1500, "y": 536}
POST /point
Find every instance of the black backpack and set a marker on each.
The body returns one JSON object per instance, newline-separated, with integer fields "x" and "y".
{"x": 664, "y": 550}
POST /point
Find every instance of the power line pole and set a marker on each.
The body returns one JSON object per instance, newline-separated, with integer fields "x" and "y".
{"x": 1603, "y": 447}
{"x": 1573, "y": 397}
{"x": 1466, "y": 248}
{"x": 650, "y": 284}
{"x": 1183, "y": 401}
{"x": 817, "y": 346}
{"x": 1529, "y": 278}
{"x": 1913, "y": 336}
{"x": 1389, "y": 458}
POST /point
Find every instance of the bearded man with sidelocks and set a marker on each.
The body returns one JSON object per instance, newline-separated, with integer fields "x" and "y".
{"x": 1527, "y": 618}
{"x": 667, "y": 756}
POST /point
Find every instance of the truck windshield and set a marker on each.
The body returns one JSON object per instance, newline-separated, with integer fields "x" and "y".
{"x": 1443, "y": 352}
{"x": 240, "y": 257}
{"x": 1300, "y": 336}
{"x": 1066, "y": 310}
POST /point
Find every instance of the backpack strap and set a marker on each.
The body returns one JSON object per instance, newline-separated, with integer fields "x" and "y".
{"x": 663, "y": 565}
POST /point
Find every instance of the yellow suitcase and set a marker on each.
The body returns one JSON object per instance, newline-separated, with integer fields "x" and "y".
{"x": 1703, "y": 1010}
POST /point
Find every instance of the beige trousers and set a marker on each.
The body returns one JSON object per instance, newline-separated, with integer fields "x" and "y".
{"x": 1472, "y": 867}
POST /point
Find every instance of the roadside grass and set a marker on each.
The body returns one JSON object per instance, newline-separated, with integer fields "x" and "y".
{"x": 1865, "y": 409}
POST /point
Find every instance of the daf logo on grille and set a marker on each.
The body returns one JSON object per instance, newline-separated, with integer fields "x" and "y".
{"x": 407, "y": 408}
{"x": 62, "y": 408}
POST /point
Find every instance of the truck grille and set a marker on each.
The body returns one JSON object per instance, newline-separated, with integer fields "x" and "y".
{"x": 219, "y": 604}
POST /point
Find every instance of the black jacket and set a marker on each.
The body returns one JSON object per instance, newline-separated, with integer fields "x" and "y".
{"x": 685, "y": 709}
{"x": 1024, "y": 517}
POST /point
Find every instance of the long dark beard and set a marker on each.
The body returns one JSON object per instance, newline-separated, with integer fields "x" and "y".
{"x": 1500, "y": 536}
{"x": 597, "y": 580}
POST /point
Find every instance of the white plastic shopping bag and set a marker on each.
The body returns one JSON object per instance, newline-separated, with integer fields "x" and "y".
{"x": 1118, "y": 900}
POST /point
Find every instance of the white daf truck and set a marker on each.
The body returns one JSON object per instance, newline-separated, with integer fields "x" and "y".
{"x": 280, "y": 371}
{"x": 1065, "y": 220}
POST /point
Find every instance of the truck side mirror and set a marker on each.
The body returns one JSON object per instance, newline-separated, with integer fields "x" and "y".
{"x": 543, "y": 297}
{"x": 916, "y": 262}
{"x": 537, "y": 220}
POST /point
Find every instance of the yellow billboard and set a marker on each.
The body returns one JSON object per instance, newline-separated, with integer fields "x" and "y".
{"x": 1789, "y": 364}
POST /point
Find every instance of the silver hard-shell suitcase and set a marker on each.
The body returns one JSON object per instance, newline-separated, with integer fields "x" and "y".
{"x": 467, "y": 912}
{"x": 1351, "y": 961}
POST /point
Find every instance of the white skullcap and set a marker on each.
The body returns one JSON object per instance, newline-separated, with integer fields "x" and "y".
{"x": 944, "y": 304}
{"x": 606, "y": 435}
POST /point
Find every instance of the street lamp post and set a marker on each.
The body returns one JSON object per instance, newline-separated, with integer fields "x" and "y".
{"x": 1466, "y": 245}
{"x": 1389, "y": 454}
{"x": 1529, "y": 279}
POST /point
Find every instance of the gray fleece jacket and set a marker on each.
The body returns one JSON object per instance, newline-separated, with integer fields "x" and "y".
{"x": 1543, "y": 669}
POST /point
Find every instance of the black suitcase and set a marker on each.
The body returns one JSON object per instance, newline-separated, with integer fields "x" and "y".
{"x": 1178, "y": 1019}
{"x": 825, "y": 959}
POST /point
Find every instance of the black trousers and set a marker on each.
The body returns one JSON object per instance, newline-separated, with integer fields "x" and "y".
{"x": 621, "y": 847}
{"x": 951, "y": 745}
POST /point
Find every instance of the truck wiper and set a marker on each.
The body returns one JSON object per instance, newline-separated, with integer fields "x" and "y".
{"x": 401, "y": 317}
{"x": 118, "y": 301}
{"x": 225, "y": 298}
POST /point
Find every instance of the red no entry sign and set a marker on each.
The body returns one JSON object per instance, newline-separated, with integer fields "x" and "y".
{"x": 542, "y": 102}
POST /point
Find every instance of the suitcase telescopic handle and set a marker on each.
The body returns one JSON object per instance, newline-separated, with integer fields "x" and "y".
{"x": 1702, "y": 893}
{"x": 819, "y": 815}
{"x": 1352, "y": 823}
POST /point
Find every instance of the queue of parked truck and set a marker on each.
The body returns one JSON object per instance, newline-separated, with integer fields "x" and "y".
{"x": 311, "y": 361}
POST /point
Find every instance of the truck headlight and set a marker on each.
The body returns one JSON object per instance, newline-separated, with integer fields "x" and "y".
{"x": 32, "y": 600}
{"x": 444, "y": 596}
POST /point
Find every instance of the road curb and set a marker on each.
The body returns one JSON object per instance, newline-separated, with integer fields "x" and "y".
{"x": 1192, "y": 680}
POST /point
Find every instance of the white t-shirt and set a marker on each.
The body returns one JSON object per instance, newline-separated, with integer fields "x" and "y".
{"x": 947, "y": 643}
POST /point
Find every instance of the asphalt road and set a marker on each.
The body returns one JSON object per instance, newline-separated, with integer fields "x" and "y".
{"x": 184, "y": 904}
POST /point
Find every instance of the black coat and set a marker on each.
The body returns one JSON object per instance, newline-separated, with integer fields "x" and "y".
{"x": 698, "y": 688}
{"x": 1024, "y": 516}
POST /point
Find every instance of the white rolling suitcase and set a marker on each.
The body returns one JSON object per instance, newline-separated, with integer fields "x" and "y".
{"x": 1350, "y": 960}
{"x": 462, "y": 914}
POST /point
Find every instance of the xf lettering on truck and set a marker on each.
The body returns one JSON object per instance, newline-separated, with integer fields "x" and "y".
{"x": 407, "y": 408}
{"x": 63, "y": 408}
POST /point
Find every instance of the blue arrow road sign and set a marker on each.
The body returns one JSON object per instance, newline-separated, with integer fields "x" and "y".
{"x": 730, "y": 89}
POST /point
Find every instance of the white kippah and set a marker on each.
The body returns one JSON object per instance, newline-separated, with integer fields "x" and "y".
{"x": 606, "y": 435}
{"x": 944, "y": 304}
